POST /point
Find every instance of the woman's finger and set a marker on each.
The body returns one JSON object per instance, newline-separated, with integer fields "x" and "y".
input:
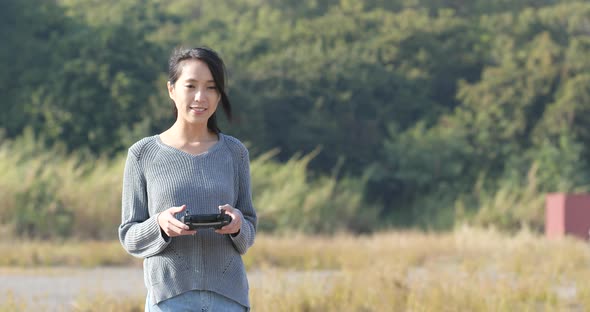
{"x": 172, "y": 226}
{"x": 236, "y": 222}
{"x": 176, "y": 223}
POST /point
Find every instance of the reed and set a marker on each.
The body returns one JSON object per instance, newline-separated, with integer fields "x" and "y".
{"x": 468, "y": 269}
{"x": 48, "y": 194}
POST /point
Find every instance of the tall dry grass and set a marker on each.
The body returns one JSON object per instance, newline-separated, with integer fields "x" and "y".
{"x": 48, "y": 194}
{"x": 469, "y": 269}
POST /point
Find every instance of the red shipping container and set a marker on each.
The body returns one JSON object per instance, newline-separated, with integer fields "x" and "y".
{"x": 567, "y": 214}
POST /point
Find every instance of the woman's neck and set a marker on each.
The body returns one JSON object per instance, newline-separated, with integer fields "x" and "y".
{"x": 192, "y": 133}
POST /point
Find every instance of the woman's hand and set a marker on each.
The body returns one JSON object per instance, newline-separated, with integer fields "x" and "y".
{"x": 236, "y": 220}
{"x": 172, "y": 226}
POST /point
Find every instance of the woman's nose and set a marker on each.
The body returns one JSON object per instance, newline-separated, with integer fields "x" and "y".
{"x": 199, "y": 95}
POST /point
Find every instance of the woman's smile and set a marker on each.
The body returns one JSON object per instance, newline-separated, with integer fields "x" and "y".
{"x": 197, "y": 110}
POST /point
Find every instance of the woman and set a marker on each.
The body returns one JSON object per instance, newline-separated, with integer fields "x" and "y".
{"x": 190, "y": 168}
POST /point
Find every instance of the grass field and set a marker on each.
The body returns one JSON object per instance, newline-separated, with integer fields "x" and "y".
{"x": 465, "y": 270}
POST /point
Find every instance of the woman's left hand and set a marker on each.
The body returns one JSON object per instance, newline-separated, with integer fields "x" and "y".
{"x": 236, "y": 220}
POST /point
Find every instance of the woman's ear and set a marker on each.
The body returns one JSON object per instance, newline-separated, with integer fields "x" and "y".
{"x": 170, "y": 90}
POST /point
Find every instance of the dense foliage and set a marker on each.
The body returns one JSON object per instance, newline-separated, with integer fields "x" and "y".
{"x": 436, "y": 111}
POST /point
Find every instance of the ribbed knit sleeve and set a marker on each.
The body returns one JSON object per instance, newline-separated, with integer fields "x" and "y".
{"x": 245, "y": 238}
{"x": 139, "y": 232}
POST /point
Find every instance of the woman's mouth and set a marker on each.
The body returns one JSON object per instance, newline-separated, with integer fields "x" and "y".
{"x": 197, "y": 110}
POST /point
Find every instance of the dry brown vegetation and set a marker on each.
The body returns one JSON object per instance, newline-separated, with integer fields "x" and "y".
{"x": 466, "y": 270}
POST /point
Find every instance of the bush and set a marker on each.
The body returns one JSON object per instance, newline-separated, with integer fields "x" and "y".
{"x": 40, "y": 214}
{"x": 79, "y": 196}
{"x": 288, "y": 199}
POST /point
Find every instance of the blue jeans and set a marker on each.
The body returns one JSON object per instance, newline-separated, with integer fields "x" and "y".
{"x": 195, "y": 300}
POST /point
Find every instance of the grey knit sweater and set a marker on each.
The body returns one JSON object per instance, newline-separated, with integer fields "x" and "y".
{"x": 157, "y": 177}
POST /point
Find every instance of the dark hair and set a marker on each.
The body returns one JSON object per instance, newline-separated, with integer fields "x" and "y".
{"x": 217, "y": 68}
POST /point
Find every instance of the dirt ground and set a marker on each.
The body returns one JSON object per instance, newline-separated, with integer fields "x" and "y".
{"x": 57, "y": 289}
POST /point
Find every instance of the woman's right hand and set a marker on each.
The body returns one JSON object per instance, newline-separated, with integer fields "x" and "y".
{"x": 172, "y": 226}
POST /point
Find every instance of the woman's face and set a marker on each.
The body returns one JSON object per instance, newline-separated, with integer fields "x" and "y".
{"x": 194, "y": 93}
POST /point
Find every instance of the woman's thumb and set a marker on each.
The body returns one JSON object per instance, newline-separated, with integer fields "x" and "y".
{"x": 178, "y": 209}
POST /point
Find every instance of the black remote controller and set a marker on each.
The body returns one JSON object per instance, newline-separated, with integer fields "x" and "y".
{"x": 204, "y": 221}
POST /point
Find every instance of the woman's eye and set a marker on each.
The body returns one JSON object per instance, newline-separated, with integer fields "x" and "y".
{"x": 212, "y": 87}
{"x": 190, "y": 86}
